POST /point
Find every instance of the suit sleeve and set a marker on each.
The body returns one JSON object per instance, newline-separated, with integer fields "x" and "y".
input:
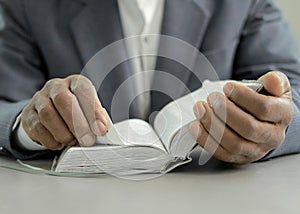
{"x": 21, "y": 72}
{"x": 267, "y": 44}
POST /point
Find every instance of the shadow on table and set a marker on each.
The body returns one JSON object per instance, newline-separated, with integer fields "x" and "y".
{"x": 212, "y": 166}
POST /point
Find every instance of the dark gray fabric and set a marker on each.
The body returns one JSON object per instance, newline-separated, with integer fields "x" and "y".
{"x": 43, "y": 39}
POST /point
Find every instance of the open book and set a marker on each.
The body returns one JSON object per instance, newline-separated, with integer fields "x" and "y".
{"x": 134, "y": 146}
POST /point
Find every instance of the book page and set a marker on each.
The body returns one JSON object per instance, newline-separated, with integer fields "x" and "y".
{"x": 132, "y": 132}
{"x": 114, "y": 160}
{"x": 177, "y": 115}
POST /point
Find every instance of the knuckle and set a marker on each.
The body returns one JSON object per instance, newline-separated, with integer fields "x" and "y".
{"x": 36, "y": 99}
{"x": 277, "y": 140}
{"x": 63, "y": 98}
{"x": 260, "y": 153}
{"x": 256, "y": 152}
{"x": 64, "y": 138}
{"x": 28, "y": 120}
{"x": 206, "y": 119}
{"x": 84, "y": 80}
{"x": 220, "y": 101}
{"x": 26, "y": 111}
{"x": 264, "y": 108}
{"x": 53, "y": 83}
{"x": 80, "y": 83}
{"x": 203, "y": 137}
{"x": 46, "y": 113}
{"x": 235, "y": 93}
{"x": 289, "y": 116}
{"x": 34, "y": 130}
{"x": 37, "y": 127}
{"x": 272, "y": 136}
{"x": 267, "y": 136}
{"x": 222, "y": 109}
{"x": 222, "y": 106}
{"x": 236, "y": 148}
{"x": 73, "y": 77}
{"x": 36, "y": 95}
{"x": 281, "y": 137}
{"x": 230, "y": 159}
{"x": 251, "y": 130}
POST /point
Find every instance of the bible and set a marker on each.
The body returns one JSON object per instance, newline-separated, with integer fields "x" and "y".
{"x": 134, "y": 146}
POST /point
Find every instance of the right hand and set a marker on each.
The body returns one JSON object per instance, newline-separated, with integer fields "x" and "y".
{"x": 50, "y": 117}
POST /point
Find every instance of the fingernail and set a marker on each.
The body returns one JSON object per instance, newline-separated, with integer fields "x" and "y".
{"x": 99, "y": 128}
{"x": 88, "y": 140}
{"x": 199, "y": 110}
{"x": 213, "y": 99}
{"x": 195, "y": 130}
{"x": 228, "y": 89}
{"x": 282, "y": 79}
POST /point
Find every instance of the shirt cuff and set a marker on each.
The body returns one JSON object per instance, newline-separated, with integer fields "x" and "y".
{"x": 22, "y": 140}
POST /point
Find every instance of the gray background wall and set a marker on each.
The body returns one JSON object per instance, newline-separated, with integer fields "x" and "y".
{"x": 291, "y": 12}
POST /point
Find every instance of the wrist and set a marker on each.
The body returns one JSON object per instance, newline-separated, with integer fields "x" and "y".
{"x": 22, "y": 140}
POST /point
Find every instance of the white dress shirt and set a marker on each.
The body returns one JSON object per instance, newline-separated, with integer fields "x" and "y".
{"x": 141, "y": 18}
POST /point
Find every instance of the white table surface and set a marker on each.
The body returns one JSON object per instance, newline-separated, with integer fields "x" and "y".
{"x": 268, "y": 187}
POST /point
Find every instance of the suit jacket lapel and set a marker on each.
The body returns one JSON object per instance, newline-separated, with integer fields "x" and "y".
{"x": 94, "y": 28}
{"x": 186, "y": 20}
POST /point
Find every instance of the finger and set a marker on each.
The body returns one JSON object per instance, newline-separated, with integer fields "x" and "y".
{"x": 212, "y": 147}
{"x": 230, "y": 140}
{"x": 87, "y": 97}
{"x": 69, "y": 109}
{"x": 246, "y": 125}
{"x": 53, "y": 122}
{"x": 276, "y": 83}
{"x": 37, "y": 132}
{"x": 265, "y": 108}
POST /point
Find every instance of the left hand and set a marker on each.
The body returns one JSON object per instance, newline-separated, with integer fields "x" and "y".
{"x": 255, "y": 124}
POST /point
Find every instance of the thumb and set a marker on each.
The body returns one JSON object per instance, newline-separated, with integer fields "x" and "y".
{"x": 275, "y": 83}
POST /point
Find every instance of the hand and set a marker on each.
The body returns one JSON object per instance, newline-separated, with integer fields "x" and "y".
{"x": 65, "y": 112}
{"x": 255, "y": 124}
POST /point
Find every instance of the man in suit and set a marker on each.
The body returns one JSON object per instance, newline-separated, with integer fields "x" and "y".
{"x": 46, "y": 43}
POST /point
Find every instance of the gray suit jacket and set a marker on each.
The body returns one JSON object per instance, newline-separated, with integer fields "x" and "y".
{"x": 43, "y": 39}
